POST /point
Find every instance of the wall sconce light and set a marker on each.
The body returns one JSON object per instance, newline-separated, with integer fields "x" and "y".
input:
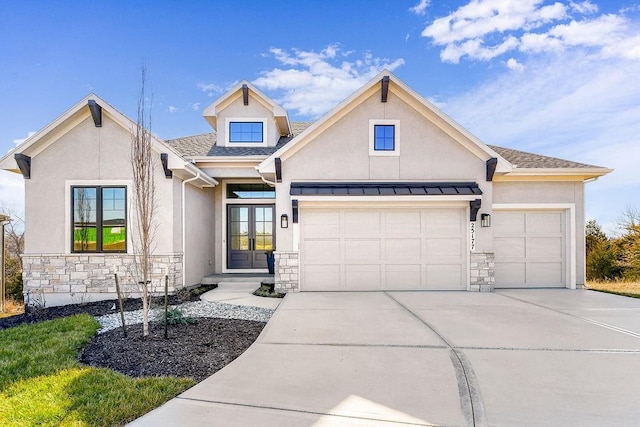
{"x": 485, "y": 220}
{"x": 284, "y": 221}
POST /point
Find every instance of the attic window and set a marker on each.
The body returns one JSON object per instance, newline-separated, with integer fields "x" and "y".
{"x": 246, "y": 132}
{"x": 384, "y": 137}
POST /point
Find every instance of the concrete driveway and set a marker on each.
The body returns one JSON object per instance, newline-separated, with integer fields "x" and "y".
{"x": 517, "y": 357}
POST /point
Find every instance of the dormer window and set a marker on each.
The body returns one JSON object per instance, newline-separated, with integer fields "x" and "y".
{"x": 247, "y": 132}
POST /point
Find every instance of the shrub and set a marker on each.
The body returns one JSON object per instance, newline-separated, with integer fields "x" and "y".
{"x": 176, "y": 317}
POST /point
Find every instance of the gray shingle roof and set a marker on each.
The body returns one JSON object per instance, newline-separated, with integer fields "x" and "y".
{"x": 522, "y": 159}
{"x": 205, "y": 145}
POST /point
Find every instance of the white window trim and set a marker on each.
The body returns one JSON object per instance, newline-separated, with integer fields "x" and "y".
{"x": 227, "y": 132}
{"x": 68, "y": 184}
{"x": 372, "y": 138}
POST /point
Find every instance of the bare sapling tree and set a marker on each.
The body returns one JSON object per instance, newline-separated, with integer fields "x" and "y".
{"x": 144, "y": 196}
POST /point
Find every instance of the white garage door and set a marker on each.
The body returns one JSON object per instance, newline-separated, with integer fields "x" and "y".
{"x": 347, "y": 249}
{"x": 530, "y": 249}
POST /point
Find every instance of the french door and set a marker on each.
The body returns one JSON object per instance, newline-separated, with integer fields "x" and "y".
{"x": 250, "y": 233}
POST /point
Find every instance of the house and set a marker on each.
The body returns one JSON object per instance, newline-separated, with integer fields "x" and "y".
{"x": 384, "y": 192}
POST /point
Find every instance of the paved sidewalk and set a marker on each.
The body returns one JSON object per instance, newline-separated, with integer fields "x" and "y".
{"x": 539, "y": 357}
{"x": 240, "y": 294}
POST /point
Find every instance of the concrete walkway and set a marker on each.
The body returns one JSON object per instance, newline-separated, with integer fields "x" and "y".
{"x": 539, "y": 357}
{"x": 240, "y": 294}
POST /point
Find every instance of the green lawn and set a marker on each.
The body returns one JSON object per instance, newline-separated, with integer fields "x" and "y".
{"x": 42, "y": 382}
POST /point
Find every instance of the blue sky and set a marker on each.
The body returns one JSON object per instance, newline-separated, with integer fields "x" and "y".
{"x": 552, "y": 77}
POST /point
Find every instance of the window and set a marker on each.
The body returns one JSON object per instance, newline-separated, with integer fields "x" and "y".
{"x": 250, "y": 191}
{"x": 99, "y": 219}
{"x": 384, "y": 137}
{"x": 246, "y": 131}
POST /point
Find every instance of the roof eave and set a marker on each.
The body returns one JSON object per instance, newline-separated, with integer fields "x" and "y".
{"x": 584, "y": 173}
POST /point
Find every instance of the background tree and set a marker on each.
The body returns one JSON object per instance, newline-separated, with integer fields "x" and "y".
{"x": 144, "y": 196}
{"x": 628, "y": 244}
{"x": 14, "y": 247}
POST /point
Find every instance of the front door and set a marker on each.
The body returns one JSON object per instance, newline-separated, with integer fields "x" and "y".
{"x": 250, "y": 232}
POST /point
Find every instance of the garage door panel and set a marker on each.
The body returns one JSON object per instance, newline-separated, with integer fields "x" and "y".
{"x": 362, "y": 224}
{"x": 322, "y": 251}
{"x": 544, "y": 222}
{"x": 356, "y": 249}
{"x": 363, "y": 277}
{"x": 403, "y": 277}
{"x": 509, "y": 247}
{"x": 508, "y": 222}
{"x": 403, "y": 249}
{"x": 385, "y": 248}
{"x": 530, "y": 249}
{"x": 545, "y": 273}
{"x": 443, "y": 276}
{"x": 402, "y": 224}
{"x": 547, "y": 247}
{"x": 443, "y": 247}
{"x": 325, "y": 277}
{"x": 510, "y": 274}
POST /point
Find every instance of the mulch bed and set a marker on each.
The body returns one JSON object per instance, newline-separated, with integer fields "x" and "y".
{"x": 193, "y": 350}
{"x": 98, "y": 308}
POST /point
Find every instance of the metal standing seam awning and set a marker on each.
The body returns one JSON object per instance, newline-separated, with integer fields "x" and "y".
{"x": 385, "y": 189}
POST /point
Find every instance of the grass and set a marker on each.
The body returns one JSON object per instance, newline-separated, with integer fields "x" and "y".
{"x": 42, "y": 382}
{"x": 12, "y": 308}
{"x": 628, "y": 289}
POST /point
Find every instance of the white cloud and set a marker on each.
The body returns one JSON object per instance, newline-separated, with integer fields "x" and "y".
{"x": 211, "y": 89}
{"x": 485, "y": 29}
{"x": 513, "y": 64}
{"x": 12, "y": 192}
{"x": 574, "y": 106}
{"x": 421, "y": 7}
{"x": 171, "y": 109}
{"x": 21, "y": 140}
{"x": 311, "y": 83}
{"x": 195, "y": 106}
{"x": 585, "y": 7}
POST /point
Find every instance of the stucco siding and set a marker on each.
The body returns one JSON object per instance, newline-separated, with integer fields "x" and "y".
{"x": 236, "y": 109}
{"x": 200, "y": 252}
{"x": 86, "y": 155}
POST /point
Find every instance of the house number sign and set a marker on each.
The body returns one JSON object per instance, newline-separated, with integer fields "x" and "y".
{"x": 472, "y": 235}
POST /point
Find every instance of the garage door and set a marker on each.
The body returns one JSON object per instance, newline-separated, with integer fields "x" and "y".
{"x": 347, "y": 249}
{"x": 530, "y": 249}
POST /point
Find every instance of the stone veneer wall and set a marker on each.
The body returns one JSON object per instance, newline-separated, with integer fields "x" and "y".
{"x": 286, "y": 272}
{"x": 482, "y": 268}
{"x": 93, "y": 273}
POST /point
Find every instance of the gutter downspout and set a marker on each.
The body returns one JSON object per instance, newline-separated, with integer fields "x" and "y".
{"x": 184, "y": 225}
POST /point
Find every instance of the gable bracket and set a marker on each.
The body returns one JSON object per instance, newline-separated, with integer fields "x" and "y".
{"x": 96, "y": 112}
{"x": 245, "y": 94}
{"x": 164, "y": 159}
{"x": 385, "y": 89}
{"x": 278, "y": 164}
{"x": 294, "y": 208}
{"x": 24, "y": 163}
{"x": 491, "y": 168}
{"x": 475, "y": 207}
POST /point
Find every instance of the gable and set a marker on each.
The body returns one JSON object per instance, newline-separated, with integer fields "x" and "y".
{"x": 385, "y": 85}
{"x": 342, "y": 150}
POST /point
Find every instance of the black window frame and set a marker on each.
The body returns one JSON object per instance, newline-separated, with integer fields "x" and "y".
{"x": 99, "y": 224}
{"x": 393, "y": 148}
{"x": 231, "y": 141}
{"x": 249, "y": 187}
